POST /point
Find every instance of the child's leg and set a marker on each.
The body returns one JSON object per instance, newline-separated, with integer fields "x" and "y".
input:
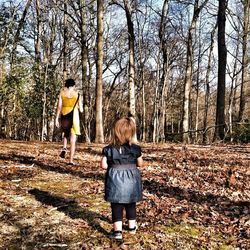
{"x": 117, "y": 210}
{"x": 131, "y": 214}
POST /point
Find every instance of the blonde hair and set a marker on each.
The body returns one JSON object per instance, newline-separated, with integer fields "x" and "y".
{"x": 123, "y": 132}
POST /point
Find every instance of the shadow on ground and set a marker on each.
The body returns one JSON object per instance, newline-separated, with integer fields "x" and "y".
{"x": 62, "y": 168}
{"x": 220, "y": 204}
{"x": 71, "y": 209}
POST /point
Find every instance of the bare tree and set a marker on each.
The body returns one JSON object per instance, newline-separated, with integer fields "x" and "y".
{"x": 18, "y": 31}
{"x": 144, "y": 50}
{"x": 5, "y": 38}
{"x": 198, "y": 78}
{"x": 6, "y": 33}
{"x": 38, "y": 76}
{"x": 99, "y": 138}
{"x": 234, "y": 79}
{"x": 245, "y": 81}
{"x": 222, "y": 62}
{"x": 84, "y": 62}
{"x": 189, "y": 70}
{"x": 207, "y": 86}
{"x": 161, "y": 92}
{"x": 131, "y": 67}
{"x": 65, "y": 40}
{"x": 143, "y": 65}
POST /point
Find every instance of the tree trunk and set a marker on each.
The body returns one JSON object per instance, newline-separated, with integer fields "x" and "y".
{"x": 38, "y": 63}
{"x": 197, "y": 98}
{"x": 131, "y": 67}
{"x": 13, "y": 133}
{"x": 222, "y": 62}
{"x": 232, "y": 91}
{"x": 142, "y": 79}
{"x": 38, "y": 34}
{"x": 17, "y": 34}
{"x": 51, "y": 118}
{"x": 99, "y": 138}
{"x": 84, "y": 62}
{"x": 158, "y": 118}
{"x": 44, "y": 132}
{"x": 189, "y": 73}
{"x": 245, "y": 81}
{"x": 207, "y": 87}
{"x": 143, "y": 110}
{"x": 3, "y": 47}
{"x": 65, "y": 41}
{"x": 155, "y": 106}
{"x": 162, "y": 84}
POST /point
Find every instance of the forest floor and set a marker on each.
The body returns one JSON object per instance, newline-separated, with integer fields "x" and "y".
{"x": 195, "y": 197}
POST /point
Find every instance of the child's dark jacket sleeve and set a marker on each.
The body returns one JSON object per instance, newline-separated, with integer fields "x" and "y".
{"x": 137, "y": 151}
{"x": 104, "y": 152}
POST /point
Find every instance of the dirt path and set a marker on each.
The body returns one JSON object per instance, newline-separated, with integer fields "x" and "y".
{"x": 194, "y": 198}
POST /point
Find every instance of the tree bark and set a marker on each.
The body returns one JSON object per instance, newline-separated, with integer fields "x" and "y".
{"x": 232, "y": 92}
{"x": 222, "y": 62}
{"x": 38, "y": 34}
{"x": 207, "y": 87}
{"x": 189, "y": 73}
{"x": 245, "y": 81}
{"x": 154, "y": 123}
{"x": 17, "y": 34}
{"x": 142, "y": 77}
{"x": 99, "y": 138}
{"x": 162, "y": 84}
{"x": 84, "y": 63}
{"x": 65, "y": 41}
{"x": 131, "y": 67}
{"x": 197, "y": 97}
{"x": 38, "y": 64}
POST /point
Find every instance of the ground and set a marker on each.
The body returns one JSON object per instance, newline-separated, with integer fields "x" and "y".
{"x": 195, "y": 197}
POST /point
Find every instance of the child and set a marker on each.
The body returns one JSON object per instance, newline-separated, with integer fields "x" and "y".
{"x": 123, "y": 186}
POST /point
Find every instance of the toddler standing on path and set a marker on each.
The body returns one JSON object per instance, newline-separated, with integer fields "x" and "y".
{"x": 123, "y": 186}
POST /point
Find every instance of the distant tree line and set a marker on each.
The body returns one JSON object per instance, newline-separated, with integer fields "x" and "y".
{"x": 181, "y": 68}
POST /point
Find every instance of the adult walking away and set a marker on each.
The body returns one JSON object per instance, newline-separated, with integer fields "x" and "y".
{"x": 69, "y": 105}
{"x": 123, "y": 186}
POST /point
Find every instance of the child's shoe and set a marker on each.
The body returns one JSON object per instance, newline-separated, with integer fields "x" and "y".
{"x": 117, "y": 235}
{"x": 133, "y": 230}
{"x": 63, "y": 153}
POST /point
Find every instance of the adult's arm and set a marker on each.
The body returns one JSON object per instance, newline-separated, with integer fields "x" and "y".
{"x": 80, "y": 104}
{"x": 59, "y": 109}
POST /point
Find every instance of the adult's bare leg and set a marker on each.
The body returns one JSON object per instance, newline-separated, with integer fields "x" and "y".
{"x": 72, "y": 147}
{"x": 63, "y": 152}
{"x": 65, "y": 142}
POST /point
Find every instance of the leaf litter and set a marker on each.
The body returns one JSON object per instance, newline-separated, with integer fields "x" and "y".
{"x": 195, "y": 197}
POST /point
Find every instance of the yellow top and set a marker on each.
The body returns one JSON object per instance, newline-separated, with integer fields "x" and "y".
{"x": 67, "y": 105}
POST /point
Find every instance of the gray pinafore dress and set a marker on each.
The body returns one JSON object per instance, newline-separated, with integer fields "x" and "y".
{"x": 123, "y": 178}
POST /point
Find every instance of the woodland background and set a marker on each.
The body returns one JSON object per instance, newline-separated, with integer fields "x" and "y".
{"x": 180, "y": 67}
